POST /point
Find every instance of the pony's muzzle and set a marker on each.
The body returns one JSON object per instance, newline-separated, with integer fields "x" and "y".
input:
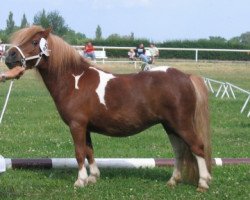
{"x": 12, "y": 58}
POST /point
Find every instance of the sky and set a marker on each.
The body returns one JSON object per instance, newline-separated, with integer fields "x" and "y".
{"x": 156, "y": 20}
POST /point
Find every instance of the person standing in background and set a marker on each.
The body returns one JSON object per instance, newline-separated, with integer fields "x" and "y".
{"x": 2, "y": 49}
{"x": 154, "y": 52}
{"x": 131, "y": 54}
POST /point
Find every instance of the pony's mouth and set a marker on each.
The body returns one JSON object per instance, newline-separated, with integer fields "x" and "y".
{"x": 12, "y": 64}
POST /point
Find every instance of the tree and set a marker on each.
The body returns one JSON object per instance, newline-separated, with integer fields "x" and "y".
{"x": 98, "y": 33}
{"x": 74, "y": 38}
{"x": 245, "y": 38}
{"x": 10, "y": 24}
{"x": 114, "y": 36}
{"x": 235, "y": 40}
{"x": 41, "y": 19}
{"x": 132, "y": 36}
{"x": 3, "y": 36}
{"x": 53, "y": 20}
{"x": 57, "y": 23}
{"x": 217, "y": 39}
{"x": 24, "y": 22}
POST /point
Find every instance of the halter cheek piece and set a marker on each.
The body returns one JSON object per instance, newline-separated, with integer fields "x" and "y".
{"x": 44, "y": 51}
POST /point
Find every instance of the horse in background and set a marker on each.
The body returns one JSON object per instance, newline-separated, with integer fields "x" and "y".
{"x": 92, "y": 100}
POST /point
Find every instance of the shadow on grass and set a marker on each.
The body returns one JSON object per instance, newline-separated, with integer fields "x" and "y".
{"x": 159, "y": 174}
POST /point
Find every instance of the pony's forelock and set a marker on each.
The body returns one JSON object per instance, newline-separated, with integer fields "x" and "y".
{"x": 23, "y": 35}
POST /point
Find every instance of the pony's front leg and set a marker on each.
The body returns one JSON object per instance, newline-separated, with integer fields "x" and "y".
{"x": 79, "y": 137}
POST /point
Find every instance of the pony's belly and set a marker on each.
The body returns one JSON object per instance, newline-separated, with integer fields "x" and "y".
{"x": 119, "y": 129}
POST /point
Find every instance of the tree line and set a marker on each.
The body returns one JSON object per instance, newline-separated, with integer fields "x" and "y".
{"x": 54, "y": 20}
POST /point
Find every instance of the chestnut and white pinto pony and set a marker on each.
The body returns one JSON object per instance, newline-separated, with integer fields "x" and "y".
{"x": 92, "y": 100}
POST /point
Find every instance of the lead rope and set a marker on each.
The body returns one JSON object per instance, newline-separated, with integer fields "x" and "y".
{"x": 6, "y": 101}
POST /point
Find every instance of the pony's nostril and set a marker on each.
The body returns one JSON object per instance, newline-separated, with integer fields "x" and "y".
{"x": 13, "y": 54}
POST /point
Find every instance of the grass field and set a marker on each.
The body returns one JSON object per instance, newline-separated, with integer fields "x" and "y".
{"x": 32, "y": 128}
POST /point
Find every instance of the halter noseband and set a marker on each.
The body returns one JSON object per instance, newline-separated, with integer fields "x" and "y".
{"x": 44, "y": 51}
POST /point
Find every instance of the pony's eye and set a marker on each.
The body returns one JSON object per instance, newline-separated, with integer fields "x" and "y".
{"x": 35, "y": 42}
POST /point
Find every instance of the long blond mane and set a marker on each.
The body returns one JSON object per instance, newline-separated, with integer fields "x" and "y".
{"x": 62, "y": 55}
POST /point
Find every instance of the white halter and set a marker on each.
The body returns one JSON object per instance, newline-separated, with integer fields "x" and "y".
{"x": 44, "y": 51}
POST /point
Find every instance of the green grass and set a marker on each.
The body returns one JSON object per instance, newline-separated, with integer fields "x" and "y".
{"x": 32, "y": 128}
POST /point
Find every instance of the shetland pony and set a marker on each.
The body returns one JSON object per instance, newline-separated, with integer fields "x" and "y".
{"x": 91, "y": 100}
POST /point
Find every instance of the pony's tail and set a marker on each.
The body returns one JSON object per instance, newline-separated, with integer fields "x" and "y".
{"x": 201, "y": 127}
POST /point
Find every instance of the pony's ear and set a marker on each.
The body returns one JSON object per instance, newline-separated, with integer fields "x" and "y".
{"x": 46, "y": 33}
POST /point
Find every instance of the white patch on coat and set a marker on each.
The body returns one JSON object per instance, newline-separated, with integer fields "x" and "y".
{"x": 101, "y": 88}
{"x": 77, "y": 77}
{"x": 160, "y": 68}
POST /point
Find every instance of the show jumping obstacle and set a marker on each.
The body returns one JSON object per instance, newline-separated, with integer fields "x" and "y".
{"x": 114, "y": 163}
{"x": 91, "y": 100}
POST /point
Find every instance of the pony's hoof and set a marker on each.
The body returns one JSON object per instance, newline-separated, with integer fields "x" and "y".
{"x": 81, "y": 183}
{"x": 92, "y": 179}
{"x": 209, "y": 179}
{"x": 203, "y": 184}
{"x": 202, "y": 189}
{"x": 171, "y": 183}
{"x": 96, "y": 174}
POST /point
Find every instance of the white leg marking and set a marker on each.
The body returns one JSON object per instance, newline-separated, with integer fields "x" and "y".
{"x": 94, "y": 169}
{"x": 82, "y": 178}
{"x": 160, "y": 68}
{"x": 94, "y": 173}
{"x": 205, "y": 177}
{"x": 104, "y": 79}
{"x": 77, "y": 77}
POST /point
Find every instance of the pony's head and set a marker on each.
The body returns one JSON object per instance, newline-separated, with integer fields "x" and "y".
{"x": 38, "y": 47}
{"x": 30, "y": 47}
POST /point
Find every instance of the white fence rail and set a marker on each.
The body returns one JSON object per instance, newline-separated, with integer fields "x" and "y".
{"x": 195, "y": 50}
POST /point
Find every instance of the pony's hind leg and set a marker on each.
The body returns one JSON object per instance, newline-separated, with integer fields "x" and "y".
{"x": 196, "y": 146}
{"x": 94, "y": 171}
{"x": 189, "y": 150}
{"x": 178, "y": 145}
{"x": 204, "y": 175}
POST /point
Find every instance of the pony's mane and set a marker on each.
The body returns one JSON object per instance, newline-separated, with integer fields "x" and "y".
{"x": 62, "y": 55}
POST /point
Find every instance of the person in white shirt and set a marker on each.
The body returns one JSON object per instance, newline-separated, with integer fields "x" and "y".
{"x": 154, "y": 52}
{"x": 2, "y": 49}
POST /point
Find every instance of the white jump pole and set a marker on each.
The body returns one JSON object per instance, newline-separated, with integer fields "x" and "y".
{"x": 126, "y": 163}
{"x": 2, "y": 164}
{"x": 6, "y": 101}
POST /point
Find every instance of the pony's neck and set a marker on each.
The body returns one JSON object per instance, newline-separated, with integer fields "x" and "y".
{"x": 60, "y": 84}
